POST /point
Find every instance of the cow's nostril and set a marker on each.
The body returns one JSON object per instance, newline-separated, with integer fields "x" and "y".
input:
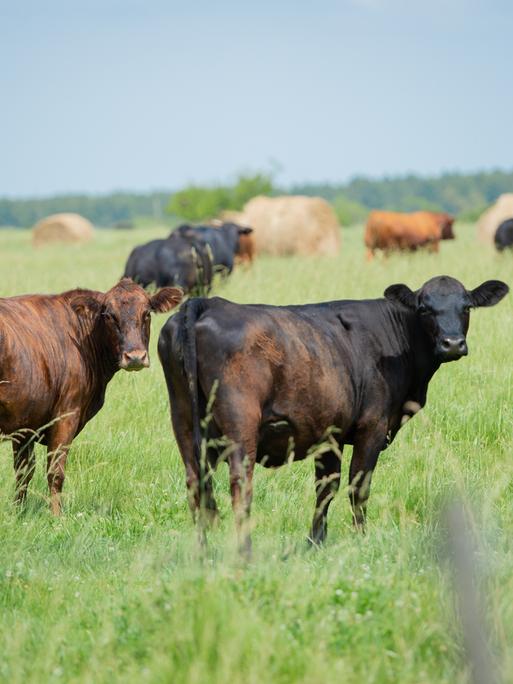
{"x": 134, "y": 360}
{"x": 453, "y": 346}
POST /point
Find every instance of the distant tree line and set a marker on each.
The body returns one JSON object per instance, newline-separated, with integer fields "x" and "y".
{"x": 465, "y": 195}
{"x": 102, "y": 210}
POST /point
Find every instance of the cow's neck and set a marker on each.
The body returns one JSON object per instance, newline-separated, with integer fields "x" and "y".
{"x": 98, "y": 357}
{"x": 413, "y": 348}
{"x": 423, "y": 362}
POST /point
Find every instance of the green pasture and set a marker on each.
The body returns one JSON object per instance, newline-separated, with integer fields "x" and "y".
{"x": 115, "y": 590}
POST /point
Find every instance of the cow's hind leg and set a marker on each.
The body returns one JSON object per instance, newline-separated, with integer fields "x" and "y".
{"x": 24, "y": 466}
{"x": 198, "y": 476}
{"x": 59, "y": 437}
{"x": 327, "y": 482}
{"x": 367, "y": 447}
{"x": 242, "y": 464}
{"x": 238, "y": 419}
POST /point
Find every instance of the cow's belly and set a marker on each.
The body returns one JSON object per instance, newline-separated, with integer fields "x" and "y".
{"x": 30, "y": 401}
{"x": 297, "y": 421}
{"x": 281, "y": 441}
{"x": 24, "y": 413}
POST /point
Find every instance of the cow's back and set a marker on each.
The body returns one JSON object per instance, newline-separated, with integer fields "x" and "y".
{"x": 282, "y": 361}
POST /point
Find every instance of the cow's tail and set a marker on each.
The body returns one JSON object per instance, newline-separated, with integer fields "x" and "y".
{"x": 192, "y": 311}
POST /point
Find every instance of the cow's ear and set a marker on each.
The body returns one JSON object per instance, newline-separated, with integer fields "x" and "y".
{"x": 166, "y": 299}
{"x": 245, "y": 231}
{"x": 401, "y": 293}
{"x": 85, "y": 304}
{"x": 488, "y": 293}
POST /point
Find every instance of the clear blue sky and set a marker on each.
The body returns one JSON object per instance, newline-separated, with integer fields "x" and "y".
{"x": 132, "y": 94}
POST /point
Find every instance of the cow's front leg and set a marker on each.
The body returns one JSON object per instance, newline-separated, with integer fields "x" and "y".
{"x": 24, "y": 466}
{"x": 327, "y": 482}
{"x": 367, "y": 446}
{"x": 59, "y": 438}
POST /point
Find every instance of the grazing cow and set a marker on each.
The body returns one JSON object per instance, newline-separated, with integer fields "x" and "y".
{"x": 224, "y": 242}
{"x": 289, "y": 381}
{"x": 390, "y": 231}
{"x": 180, "y": 259}
{"x": 141, "y": 265}
{"x": 504, "y": 235}
{"x": 177, "y": 260}
{"x": 184, "y": 261}
{"x": 57, "y": 355}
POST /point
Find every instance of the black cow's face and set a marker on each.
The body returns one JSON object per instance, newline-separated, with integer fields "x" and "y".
{"x": 443, "y": 309}
{"x": 124, "y": 313}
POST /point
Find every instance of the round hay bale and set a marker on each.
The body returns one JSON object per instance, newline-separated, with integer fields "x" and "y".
{"x": 62, "y": 228}
{"x": 292, "y": 225}
{"x": 490, "y": 219}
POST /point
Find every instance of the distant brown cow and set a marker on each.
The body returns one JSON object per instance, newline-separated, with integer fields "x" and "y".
{"x": 246, "y": 252}
{"x": 395, "y": 231}
{"x": 57, "y": 355}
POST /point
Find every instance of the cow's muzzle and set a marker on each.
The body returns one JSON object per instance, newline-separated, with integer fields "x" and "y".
{"x": 134, "y": 360}
{"x": 452, "y": 348}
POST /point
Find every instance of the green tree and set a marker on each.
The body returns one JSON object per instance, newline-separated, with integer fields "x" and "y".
{"x": 348, "y": 211}
{"x": 197, "y": 203}
{"x": 247, "y": 187}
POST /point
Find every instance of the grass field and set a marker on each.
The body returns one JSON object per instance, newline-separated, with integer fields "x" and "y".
{"x": 114, "y": 590}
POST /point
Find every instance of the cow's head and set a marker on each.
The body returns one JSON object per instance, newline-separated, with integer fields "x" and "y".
{"x": 124, "y": 316}
{"x": 446, "y": 226}
{"x": 442, "y": 306}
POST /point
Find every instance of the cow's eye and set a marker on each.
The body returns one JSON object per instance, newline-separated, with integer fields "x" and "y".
{"x": 466, "y": 309}
{"x": 109, "y": 316}
{"x": 147, "y": 316}
{"x": 423, "y": 310}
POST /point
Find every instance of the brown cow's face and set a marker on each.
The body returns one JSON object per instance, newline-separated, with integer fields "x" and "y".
{"x": 446, "y": 230}
{"x": 443, "y": 309}
{"x": 124, "y": 313}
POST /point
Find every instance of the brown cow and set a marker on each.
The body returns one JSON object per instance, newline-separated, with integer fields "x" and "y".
{"x": 390, "y": 231}
{"x": 58, "y": 353}
{"x": 246, "y": 252}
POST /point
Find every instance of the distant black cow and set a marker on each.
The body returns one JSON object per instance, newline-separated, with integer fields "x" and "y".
{"x": 141, "y": 265}
{"x": 180, "y": 259}
{"x": 285, "y": 377}
{"x": 504, "y": 235}
{"x": 224, "y": 242}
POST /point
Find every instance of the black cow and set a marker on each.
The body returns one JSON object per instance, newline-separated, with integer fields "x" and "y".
{"x": 504, "y": 235}
{"x": 290, "y": 378}
{"x": 141, "y": 265}
{"x": 224, "y": 242}
{"x": 180, "y": 259}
